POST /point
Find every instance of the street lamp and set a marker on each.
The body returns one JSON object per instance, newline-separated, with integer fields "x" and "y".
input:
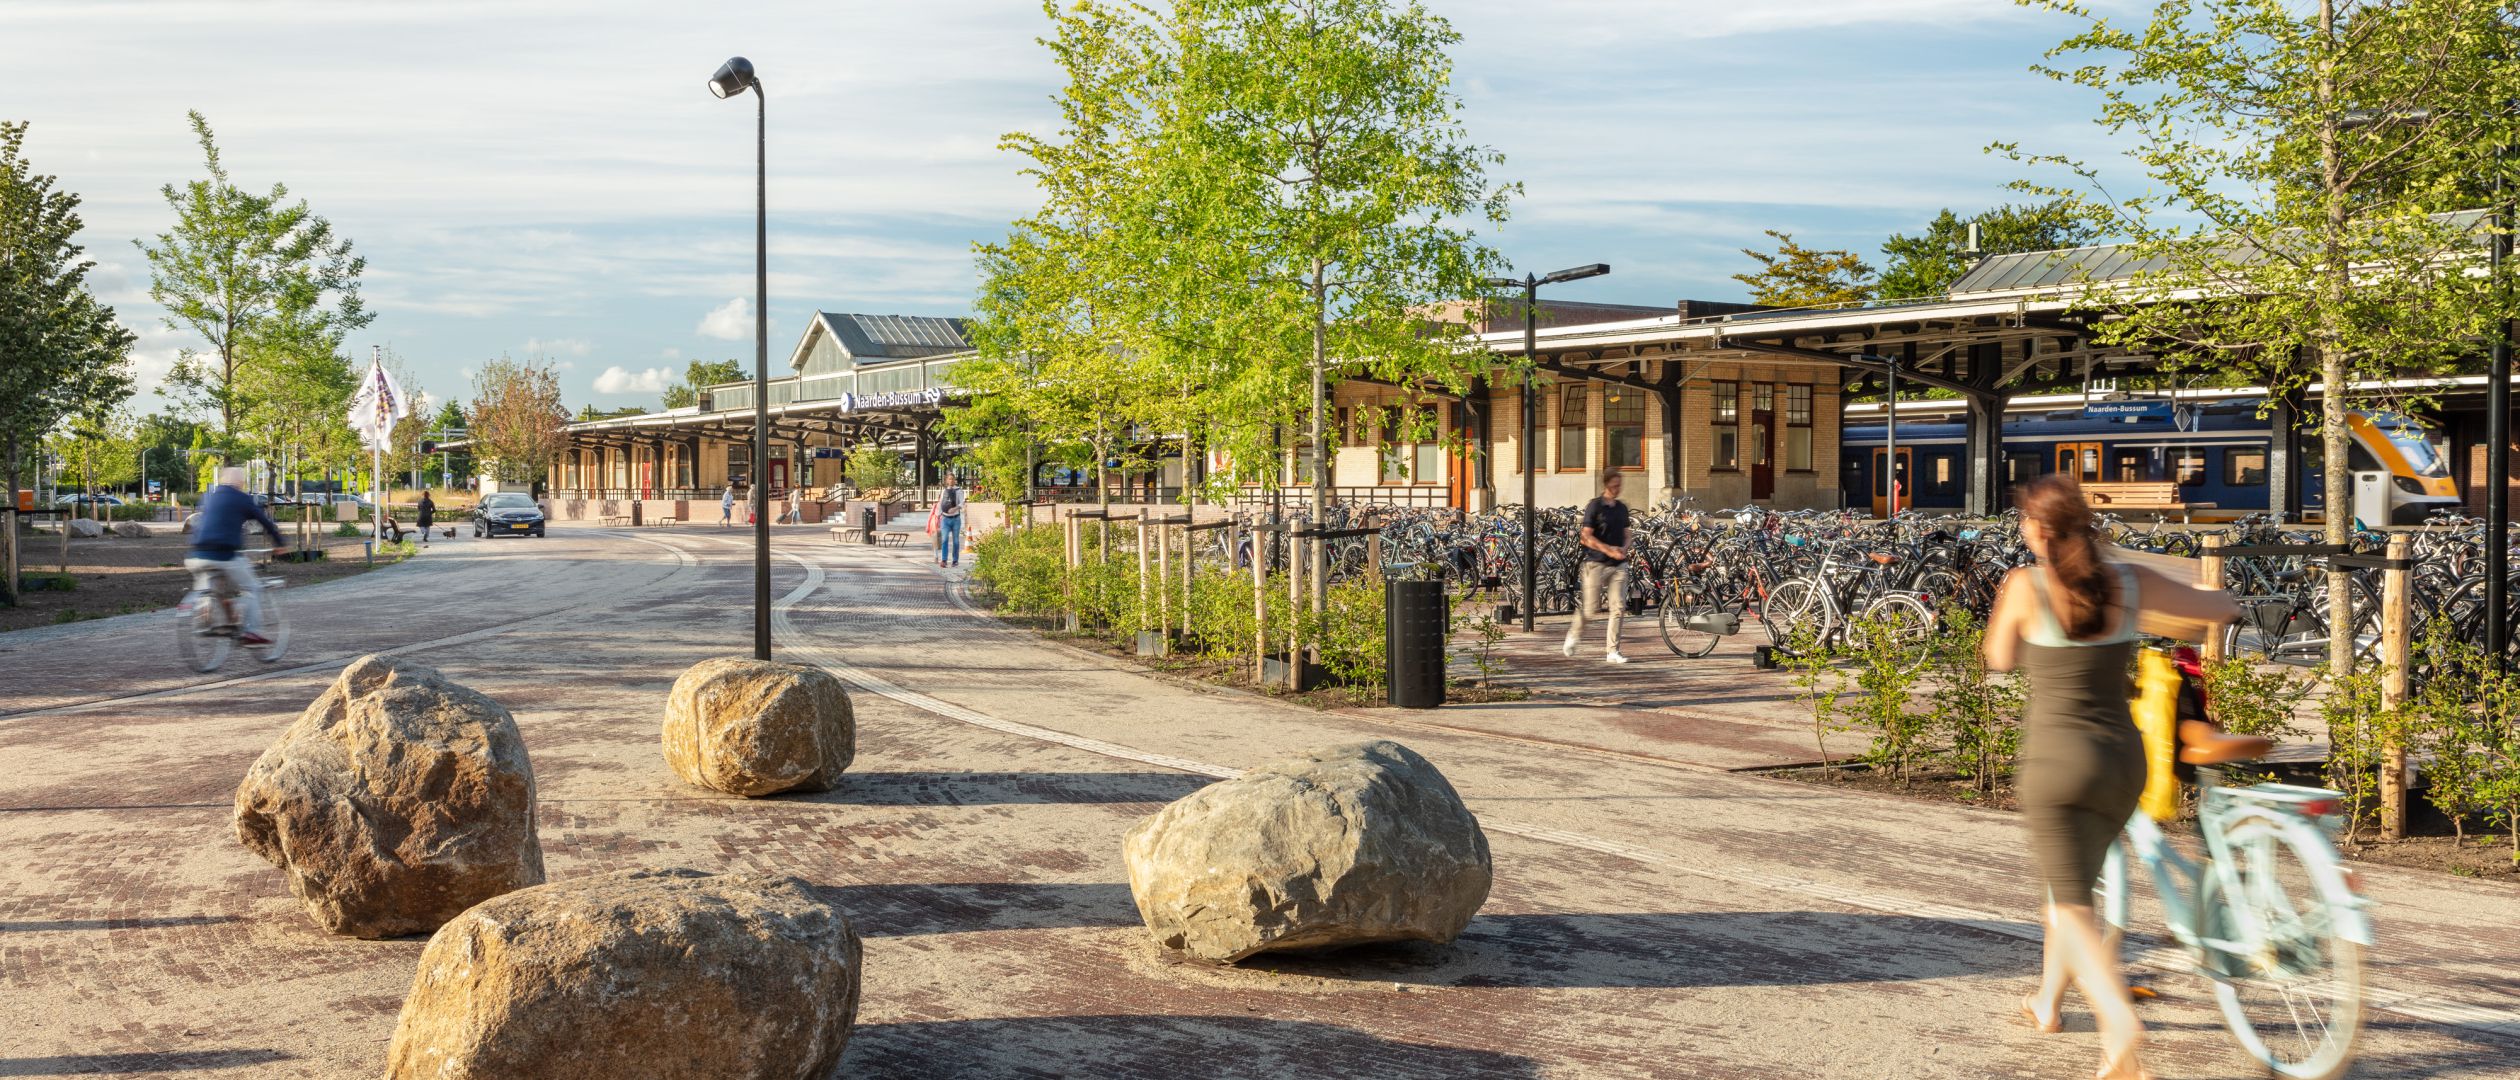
{"x": 734, "y": 77}
{"x": 1530, "y": 285}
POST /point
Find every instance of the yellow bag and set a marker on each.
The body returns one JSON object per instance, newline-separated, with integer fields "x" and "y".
{"x": 2156, "y": 712}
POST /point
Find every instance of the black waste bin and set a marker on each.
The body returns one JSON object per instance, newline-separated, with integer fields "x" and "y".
{"x": 1413, "y": 643}
{"x": 866, "y": 520}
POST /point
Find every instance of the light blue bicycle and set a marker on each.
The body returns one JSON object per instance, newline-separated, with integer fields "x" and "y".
{"x": 2271, "y": 916}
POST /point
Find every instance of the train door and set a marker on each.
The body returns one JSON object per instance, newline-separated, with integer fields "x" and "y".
{"x": 2080, "y": 460}
{"x": 1762, "y": 446}
{"x": 1881, "y": 480}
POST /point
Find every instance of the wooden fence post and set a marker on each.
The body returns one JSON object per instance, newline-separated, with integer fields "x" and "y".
{"x": 1294, "y": 611}
{"x": 1141, "y": 546}
{"x": 2396, "y": 651}
{"x": 1259, "y": 619}
{"x": 2213, "y": 579}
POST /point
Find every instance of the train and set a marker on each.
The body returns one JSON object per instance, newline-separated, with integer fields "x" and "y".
{"x": 2217, "y": 453}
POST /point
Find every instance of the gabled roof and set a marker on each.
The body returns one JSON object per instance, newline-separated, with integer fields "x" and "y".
{"x": 896, "y": 337}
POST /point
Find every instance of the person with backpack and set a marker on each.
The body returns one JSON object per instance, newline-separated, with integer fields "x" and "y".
{"x": 949, "y": 519}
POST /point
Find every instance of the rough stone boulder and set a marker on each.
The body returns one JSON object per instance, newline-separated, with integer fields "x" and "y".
{"x": 86, "y": 528}
{"x": 637, "y": 974}
{"x": 132, "y": 529}
{"x": 395, "y": 802}
{"x": 755, "y": 727}
{"x": 1343, "y": 845}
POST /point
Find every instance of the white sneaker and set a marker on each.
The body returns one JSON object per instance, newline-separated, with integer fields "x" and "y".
{"x": 1567, "y": 648}
{"x": 1615, "y": 658}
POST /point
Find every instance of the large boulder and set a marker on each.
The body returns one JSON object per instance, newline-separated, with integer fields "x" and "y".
{"x": 132, "y": 529}
{"x": 756, "y": 727}
{"x": 1343, "y": 845}
{"x": 396, "y": 801}
{"x": 86, "y": 528}
{"x": 669, "y": 974}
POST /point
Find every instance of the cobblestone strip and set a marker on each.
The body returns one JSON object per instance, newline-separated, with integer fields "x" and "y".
{"x": 684, "y": 563}
{"x": 2152, "y": 951}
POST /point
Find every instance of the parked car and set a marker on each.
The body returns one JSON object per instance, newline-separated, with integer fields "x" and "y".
{"x": 507, "y": 513}
{"x": 87, "y": 500}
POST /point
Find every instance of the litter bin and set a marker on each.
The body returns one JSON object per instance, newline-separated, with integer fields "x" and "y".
{"x": 866, "y": 520}
{"x": 638, "y": 512}
{"x": 1413, "y": 643}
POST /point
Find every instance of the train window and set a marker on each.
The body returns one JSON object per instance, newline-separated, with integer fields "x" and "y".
{"x": 1942, "y": 482}
{"x": 2131, "y": 465}
{"x": 2358, "y": 458}
{"x": 2188, "y": 467}
{"x": 2244, "y": 468}
{"x": 2021, "y": 468}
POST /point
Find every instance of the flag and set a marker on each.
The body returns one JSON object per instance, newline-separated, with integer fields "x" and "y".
{"x": 376, "y": 406}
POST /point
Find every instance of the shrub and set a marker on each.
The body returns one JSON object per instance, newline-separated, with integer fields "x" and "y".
{"x": 1977, "y": 712}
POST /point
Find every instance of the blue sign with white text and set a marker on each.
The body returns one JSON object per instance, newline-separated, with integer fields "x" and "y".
{"x": 2126, "y": 410}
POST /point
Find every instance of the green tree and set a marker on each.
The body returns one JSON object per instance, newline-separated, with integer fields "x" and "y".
{"x": 62, "y": 353}
{"x": 2284, "y": 242}
{"x": 518, "y": 424}
{"x": 1797, "y": 276}
{"x": 1926, "y": 264}
{"x": 165, "y": 435}
{"x": 452, "y": 464}
{"x": 699, "y": 375}
{"x": 235, "y": 263}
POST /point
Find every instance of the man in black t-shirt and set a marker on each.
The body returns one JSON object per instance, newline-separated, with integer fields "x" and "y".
{"x": 1605, "y": 571}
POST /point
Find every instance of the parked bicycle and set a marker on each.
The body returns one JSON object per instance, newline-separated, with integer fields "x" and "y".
{"x": 206, "y": 620}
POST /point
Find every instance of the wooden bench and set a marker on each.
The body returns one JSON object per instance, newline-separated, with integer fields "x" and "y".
{"x": 2147, "y": 496}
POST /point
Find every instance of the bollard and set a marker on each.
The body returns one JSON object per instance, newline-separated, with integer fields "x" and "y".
{"x": 2211, "y": 577}
{"x": 2396, "y": 650}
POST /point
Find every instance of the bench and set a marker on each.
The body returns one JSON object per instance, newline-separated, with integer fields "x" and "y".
{"x": 665, "y": 519}
{"x": 893, "y": 539}
{"x": 848, "y": 534}
{"x": 2154, "y": 496}
{"x": 613, "y": 520}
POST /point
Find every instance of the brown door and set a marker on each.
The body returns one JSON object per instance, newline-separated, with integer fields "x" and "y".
{"x": 778, "y": 475}
{"x": 1881, "y": 481}
{"x": 2080, "y": 460}
{"x": 1762, "y": 451}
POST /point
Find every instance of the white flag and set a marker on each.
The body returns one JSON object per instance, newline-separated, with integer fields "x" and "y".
{"x": 376, "y": 406}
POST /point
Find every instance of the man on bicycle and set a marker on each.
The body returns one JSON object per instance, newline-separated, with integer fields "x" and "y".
{"x": 218, "y": 534}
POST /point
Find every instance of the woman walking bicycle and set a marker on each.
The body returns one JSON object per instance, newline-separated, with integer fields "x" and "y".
{"x": 2069, "y": 622}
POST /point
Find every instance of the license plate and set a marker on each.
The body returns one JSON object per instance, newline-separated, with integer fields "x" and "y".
{"x": 520, "y": 528}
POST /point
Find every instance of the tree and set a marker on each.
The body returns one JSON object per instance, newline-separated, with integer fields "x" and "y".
{"x": 1797, "y": 276}
{"x": 700, "y": 375}
{"x": 1926, "y": 264}
{"x": 518, "y": 425}
{"x": 62, "y": 353}
{"x": 451, "y": 423}
{"x": 2285, "y": 243}
{"x": 165, "y": 436}
{"x": 590, "y": 412}
{"x": 295, "y": 399}
{"x": 235, "y": 263}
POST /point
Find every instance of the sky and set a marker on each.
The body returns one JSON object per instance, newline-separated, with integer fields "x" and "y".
{"x": 547, "y": 179}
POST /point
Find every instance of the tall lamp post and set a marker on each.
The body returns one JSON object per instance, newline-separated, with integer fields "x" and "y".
{"x": 734, "y": 77}
{"x": 1530, "y": 286}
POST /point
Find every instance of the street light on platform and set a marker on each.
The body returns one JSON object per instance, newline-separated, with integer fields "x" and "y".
{"x": 1530, "y": 286}
{"x": 733, "y": 78}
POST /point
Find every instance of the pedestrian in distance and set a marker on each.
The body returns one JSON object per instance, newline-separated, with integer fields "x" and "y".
{"x": 2069, "y": 623}
{"x": 949, "y": 520}
{"x": 726, "y": 507}
{"x": 428, "y": 517}
{"x": 796, "y": 505}
{"x": 1604, "y": 567}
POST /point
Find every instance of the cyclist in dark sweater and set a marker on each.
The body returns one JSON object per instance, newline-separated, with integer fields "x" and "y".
{"x": 218, "y": 534}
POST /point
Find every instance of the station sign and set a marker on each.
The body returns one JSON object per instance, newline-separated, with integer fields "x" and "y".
{"x": 2126, "y": 410}
{"x": 830, "y": 452}
{"x": 897, "y": 399}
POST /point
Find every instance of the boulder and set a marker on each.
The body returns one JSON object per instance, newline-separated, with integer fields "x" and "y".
{"x": 755, "y": 727}
{"x": 132, "y": 529}
{"x": 396, "y": 801}
{"x": 637, "y": 974}
{"x": 1340, "y": 846}
{"x": 86, "y": 528}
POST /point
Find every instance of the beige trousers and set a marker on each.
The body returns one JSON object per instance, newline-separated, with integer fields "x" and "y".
{"x": 1598, "y": 579}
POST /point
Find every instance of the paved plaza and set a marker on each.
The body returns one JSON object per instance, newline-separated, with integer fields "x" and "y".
{"x": 1654, "y": 913}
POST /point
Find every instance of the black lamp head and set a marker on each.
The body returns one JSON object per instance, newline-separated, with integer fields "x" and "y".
{"x": 1576, "y": 273}
{"x": 733, "y": 77}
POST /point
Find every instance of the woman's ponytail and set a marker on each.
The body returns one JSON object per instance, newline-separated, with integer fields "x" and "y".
{"x": 2055, "y": 501}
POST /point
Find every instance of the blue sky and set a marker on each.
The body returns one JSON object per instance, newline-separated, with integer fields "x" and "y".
{"x": 553, "y": 179}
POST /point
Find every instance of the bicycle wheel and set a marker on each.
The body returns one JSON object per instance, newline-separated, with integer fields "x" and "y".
{"x": 1782, "y": 609}
{"x": 275, "y": 625}
{"x": 1906, "y": 624}
{"x": 1684, "y": 604}
{"x": 2290, "y": 987}
{"x": 196, "y": 641}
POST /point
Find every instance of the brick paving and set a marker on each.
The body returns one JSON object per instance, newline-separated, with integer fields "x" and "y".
{"x": 1650, "y": 917}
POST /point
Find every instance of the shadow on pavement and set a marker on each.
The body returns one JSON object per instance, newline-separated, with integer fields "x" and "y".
{"x": 143, "y": 1062}
{"x": 989, "y": 788}
{"x": 1185, "y": 1047}
{"x": 116, "y": 924}
{"x": 895, "y": 910}
{"x": 1677, "y": 950}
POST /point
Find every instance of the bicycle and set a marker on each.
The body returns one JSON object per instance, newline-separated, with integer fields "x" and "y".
{"x": 206, "y": 624}
{"x": 2270, "y": 916}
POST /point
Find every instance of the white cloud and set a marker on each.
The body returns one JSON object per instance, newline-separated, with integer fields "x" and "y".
{"x": 558, "y": 347}
{"x": 616, "y": 380}
{"x": 730, "y": 321}
{"x": 671, "y": 353}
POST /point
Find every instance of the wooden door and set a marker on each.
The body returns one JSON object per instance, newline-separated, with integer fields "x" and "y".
{"x": 2080, "y": 460}
{"x": 1882, "y": 481}
{"x": 778, "y": 475}
{"x": 1762, "y": 453}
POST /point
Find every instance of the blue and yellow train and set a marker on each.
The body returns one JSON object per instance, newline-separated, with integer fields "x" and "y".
{"x": 2217, "y": 453}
